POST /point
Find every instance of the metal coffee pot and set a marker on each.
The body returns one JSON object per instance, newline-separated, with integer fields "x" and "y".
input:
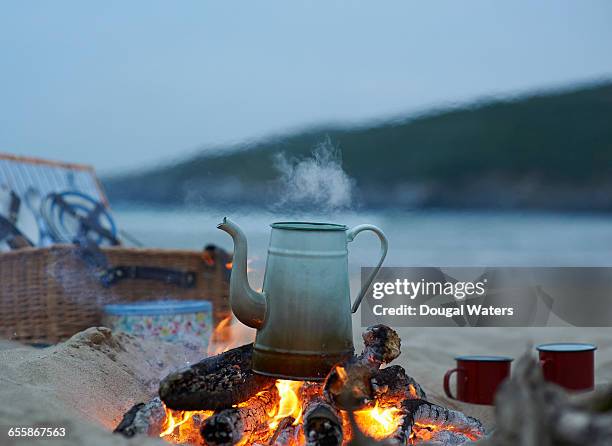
{"x": 303, "y": 314}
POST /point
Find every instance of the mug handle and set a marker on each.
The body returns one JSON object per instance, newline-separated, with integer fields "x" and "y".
{"x": 447, "y": 377}
{"x": 384, "y": 245}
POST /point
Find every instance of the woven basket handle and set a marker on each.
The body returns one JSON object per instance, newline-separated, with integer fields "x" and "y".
{"x": 169, "y": 276}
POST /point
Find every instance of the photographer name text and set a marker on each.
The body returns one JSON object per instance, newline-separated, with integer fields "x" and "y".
{"x": 427, "y": 310}
{"x": 412, "y": 289}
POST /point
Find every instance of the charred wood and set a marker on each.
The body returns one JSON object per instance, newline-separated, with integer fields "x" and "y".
{"x": 393, "y": 384}
{"x": 217, "y": 382}
{"x": 349, "y": 384}
{"x": 322, "y": 423}
{"x": 382, "y": 345}
{"x": 447, "y": 438}
{"x": 249, "y": 419}
{"x": 143, "y": 418}
{"x": 423, "y": 419}
{"x": 284, "y": 433}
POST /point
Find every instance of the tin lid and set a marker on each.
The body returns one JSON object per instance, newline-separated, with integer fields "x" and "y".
{"x": 156, "y": 307}
{"x": 308, "y": 226}
{"x": 488, "y": 358}
{"x": 566, "y": 347}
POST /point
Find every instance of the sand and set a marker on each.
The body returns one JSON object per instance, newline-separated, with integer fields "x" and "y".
{"x": 84, "y": 384}
{"x": 89, "y": 381}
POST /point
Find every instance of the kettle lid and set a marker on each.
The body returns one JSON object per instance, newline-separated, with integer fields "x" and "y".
{"x": 307, "y": 226}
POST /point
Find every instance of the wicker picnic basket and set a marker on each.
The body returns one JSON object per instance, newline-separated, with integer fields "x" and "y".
{"x": 49, "y": 294}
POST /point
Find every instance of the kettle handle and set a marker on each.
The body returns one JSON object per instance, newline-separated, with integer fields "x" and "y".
{"x": 384, "y": 245}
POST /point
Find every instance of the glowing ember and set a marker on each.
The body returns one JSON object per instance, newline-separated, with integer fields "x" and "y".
{"x": 289, "y": 404}
{"x": 413, "y": 392}
{"x": 424, "y": 432}
{"x": 341, "y": 373}
{"x": 378, "y": 422}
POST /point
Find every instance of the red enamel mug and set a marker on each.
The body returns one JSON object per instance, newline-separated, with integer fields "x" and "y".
{"x": 568, "y": 364}
{"x": 478, "y": 378}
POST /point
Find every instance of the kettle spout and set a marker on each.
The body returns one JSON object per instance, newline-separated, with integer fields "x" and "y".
{"x": 248, "y": 305}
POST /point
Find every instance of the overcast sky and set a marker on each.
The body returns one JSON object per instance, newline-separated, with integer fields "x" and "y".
{"x": 127, "y": 84}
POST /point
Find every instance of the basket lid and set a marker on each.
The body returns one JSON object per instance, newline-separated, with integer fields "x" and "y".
{"x": 155, "y": 307}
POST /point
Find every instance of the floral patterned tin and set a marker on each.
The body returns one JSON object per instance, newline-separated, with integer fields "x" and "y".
{"x": 180, "y": 321}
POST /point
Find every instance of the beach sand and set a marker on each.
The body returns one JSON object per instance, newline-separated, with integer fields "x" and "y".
{"x": 85, "y": 384}
{"x": 88, "y": 382}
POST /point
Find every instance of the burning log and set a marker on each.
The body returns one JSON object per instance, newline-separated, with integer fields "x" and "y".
{"x": 285, "y": 433}
{"x": 249, "y": 419}
{"x": 322, "y": 423}
{"x": 422, "y": 419}
{"x": 189, "y": 432}
{"x": 393, "y": 384}
{"x": 349, "y": 384}
{"x": 250, "y": 410}
{"x": 143, "y": 418}
{"x": 217, "y": 382}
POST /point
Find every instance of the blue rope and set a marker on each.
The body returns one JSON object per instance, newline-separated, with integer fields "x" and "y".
{"x": 81, "y": 209}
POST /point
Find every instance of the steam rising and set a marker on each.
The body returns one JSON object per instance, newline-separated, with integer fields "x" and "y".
{"x": 317, "y": 181}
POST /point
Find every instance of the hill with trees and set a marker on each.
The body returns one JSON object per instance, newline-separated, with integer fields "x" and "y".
{"x": 545, "y": 151}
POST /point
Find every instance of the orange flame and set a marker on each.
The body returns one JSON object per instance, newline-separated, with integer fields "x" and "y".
{"x": 378, "y": 422}
{"x": 173, "y": 421}
{"x": 223, "y": 330}
{"x": 179, "y": 427}
{"x": 412, "y": 391}
{"x": 341, "y": 373}
{"x": 289, "y": 404}
{"x": 228, "y": 334}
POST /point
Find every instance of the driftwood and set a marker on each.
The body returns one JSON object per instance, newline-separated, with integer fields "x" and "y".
{"x": 532, "y": 412}
{"x": 249, "y": 419}
{"x": 143, "y": 418}
{"x": 348, "y": 384}
{"x": 217, "y": 382}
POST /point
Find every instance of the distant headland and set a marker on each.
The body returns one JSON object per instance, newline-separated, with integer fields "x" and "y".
{"x": 548, "y": 151}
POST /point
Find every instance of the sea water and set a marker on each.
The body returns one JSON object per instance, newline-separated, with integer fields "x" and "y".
{"x": 440, "y": 238}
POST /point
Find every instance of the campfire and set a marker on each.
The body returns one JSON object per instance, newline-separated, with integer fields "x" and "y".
{"x": 220, "y": 401}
